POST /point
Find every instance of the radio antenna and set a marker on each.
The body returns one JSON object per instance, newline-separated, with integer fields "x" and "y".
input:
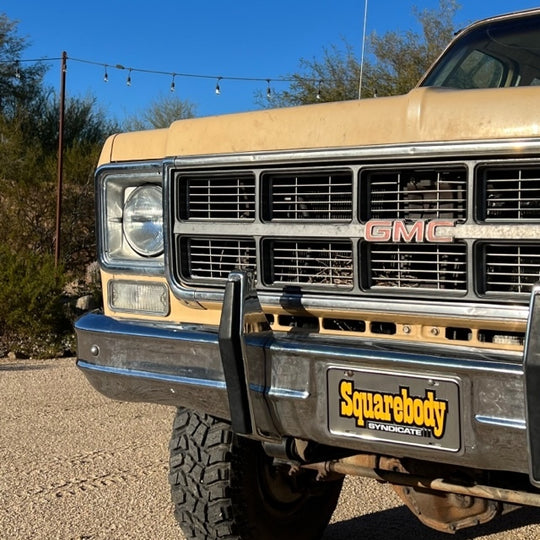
{"x": 363, "y": 50}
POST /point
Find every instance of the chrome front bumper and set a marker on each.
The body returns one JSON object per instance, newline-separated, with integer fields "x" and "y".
{"x": 286, "y": 381}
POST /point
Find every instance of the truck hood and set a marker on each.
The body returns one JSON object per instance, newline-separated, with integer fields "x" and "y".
{"x": 422, "y": 115}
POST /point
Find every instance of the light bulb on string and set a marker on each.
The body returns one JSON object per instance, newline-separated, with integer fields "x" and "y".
{"x": 268, "y": 89}
{"x": 318, "y": 97}
{"x": 128, "y": 80}
{"x": 173, "y": 85}
{"x": 218, "y": 88}
{"x": 105, "y": 75}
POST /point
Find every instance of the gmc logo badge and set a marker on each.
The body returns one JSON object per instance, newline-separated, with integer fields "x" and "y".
{"x": 385, "y": 230}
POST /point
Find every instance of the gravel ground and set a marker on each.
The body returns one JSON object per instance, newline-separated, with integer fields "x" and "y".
{"x": 75, "y": 465}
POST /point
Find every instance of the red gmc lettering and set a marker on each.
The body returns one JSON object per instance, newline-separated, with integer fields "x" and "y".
{"x": 384, "y": 230}
{"x": 378, "y": 230}
{"x": 400, "y": 232}
{"x": 431, "y": 230}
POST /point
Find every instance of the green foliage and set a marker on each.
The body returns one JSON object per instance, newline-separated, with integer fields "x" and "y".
{"x": 402, "y": 58}
{"x": 28, "y": 182}
{"x": 20, "y": 84}
{"x": 334, "y": 78}
{"x": 33, "y": 316}
{"x": 161, "y": 114}
{"x": 395, "y": 62}
{"x": 33, "y": 320}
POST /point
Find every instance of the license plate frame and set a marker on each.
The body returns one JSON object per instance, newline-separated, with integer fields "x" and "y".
{"x": 404, "y": 409}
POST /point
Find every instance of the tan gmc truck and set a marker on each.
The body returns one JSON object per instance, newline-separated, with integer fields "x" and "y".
{"x": 341, "y": 288}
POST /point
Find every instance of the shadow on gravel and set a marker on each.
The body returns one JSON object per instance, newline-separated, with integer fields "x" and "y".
{"x": 399, "y": 523}
{"x": 22, "y": 367}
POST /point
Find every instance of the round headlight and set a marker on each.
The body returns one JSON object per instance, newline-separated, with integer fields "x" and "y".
{"x": 143, "y": 220}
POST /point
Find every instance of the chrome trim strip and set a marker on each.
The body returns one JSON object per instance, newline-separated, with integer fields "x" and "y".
{"x": 402, "y": 151}
{"x": 102, "y": 325}
{"x": 503, "y": 422}
{"x": 206, "y": 383}
{"x": 283, "y": 393}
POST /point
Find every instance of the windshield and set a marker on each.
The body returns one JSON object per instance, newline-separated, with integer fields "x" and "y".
{"x": 493, "y": 55}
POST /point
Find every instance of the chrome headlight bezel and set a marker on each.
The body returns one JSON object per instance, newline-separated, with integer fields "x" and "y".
{"x": 115, "y": 185}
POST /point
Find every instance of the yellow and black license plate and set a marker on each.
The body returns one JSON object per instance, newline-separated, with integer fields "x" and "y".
{"x": 396, "y": 408}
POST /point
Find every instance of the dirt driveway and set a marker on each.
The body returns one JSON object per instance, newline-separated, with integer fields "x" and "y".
{"x": 75, "y": 465}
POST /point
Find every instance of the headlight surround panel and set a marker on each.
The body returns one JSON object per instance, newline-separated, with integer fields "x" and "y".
{"x": 119, "y": 191}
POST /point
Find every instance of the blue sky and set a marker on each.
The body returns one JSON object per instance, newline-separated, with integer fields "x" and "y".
{"x": 251, "y": 39}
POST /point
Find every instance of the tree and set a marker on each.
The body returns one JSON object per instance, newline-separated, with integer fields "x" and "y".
{"x": 161, "y": 113}
{"x": 31, "y": 286}
{"x": 402, "y": 59}
{"x": 395, "y": 63}
{"x": 84, "y": 122}
{"x": 20, "y": 83}
{"x": 28, "y": 169}
{"x": 334, "y": 78}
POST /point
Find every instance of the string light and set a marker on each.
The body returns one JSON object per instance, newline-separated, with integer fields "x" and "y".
{"x": 218, "y": 79}
{"x": 173, "y": 75}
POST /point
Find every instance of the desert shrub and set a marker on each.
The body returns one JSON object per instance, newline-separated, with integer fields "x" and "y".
{"x": 33, "y": 320}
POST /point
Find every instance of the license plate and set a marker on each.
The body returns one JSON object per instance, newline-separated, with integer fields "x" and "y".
{"x": 396, "y": 408}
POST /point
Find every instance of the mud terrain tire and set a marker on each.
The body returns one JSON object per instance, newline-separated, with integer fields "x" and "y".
{"x": 226, "y": 487}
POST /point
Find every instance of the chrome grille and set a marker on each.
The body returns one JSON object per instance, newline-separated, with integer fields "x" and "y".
{"x": 304, "y": 227}
{"x": 325, "y": 196}
{"x": 509, "y": 194}
{"x": 418, "y": 266}
{"x": 309, "y": 262}
{"x": 217, "y": 197}
{"x": 512, "y": 268}
{"x": 213, "y": 259}
{"x": 411, "y": 193}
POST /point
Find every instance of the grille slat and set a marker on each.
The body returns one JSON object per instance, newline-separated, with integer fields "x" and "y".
{"x": 309, "y": 262}
{"x": 209, "y": 198}
{"x": 411, "y": 193}
{"x": 433, "y": 266}
{"x": 495, "y": 185}
{"x": 511, "y": 269}
{"x": 317, "y": 195}
{"x": 213, "y": 259}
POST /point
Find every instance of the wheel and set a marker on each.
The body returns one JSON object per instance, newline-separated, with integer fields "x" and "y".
{"x": 226, "y": 487}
